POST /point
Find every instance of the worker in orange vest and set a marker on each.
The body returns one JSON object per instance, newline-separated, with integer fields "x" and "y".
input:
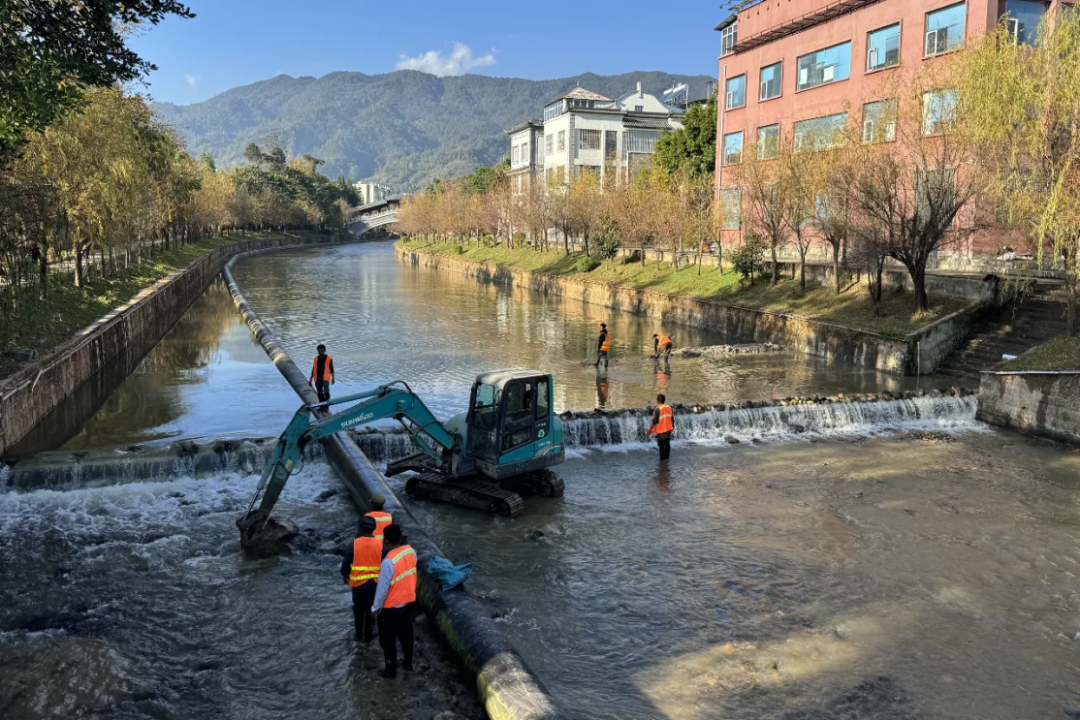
{"x": 322, "y": 374}
{"x": 661, "y": 344}
{"x": 380, "y": 516}
{"x": 394, "y": 600}
{"x": 360, "y": 569}
{"x": 603, "y": 345}
{"x": 663, "y": 426}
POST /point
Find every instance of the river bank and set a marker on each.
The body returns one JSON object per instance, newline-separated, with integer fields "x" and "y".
{"x": 684, "y": 297}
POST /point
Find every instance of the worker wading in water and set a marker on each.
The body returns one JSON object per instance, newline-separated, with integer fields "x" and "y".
{"x": 380, "y": 516}
{"x": 603, "y": 345}
{"x": 663, "y": 425}
{"x": 662, "y": 345}
{"x": 322, "y": 374}
{"x": 394, "y": 599}
{"x": 360, "y": 569}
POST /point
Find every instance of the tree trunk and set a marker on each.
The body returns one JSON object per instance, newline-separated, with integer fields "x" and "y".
{"x": 1070, "y": 303}
{"x": 586, "y": 242}
{"x": 836, "y": 267}
{"x": 802, "y": 271}
{"x": 918, "y": 280}
{"x": 43, "y": 265}
{"x": 78, "y": 264}
{"x": 775, "y": 265}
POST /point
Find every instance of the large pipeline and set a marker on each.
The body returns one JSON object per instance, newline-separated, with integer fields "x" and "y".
{"x": 507, "y": 687}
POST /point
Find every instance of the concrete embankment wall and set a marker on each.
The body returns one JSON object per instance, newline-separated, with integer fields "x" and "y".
{"x": 506, "y": 686}
{"x": 919, "y": 352}
{"x": 112, "y": 346}
{"x": 1040, "y": 403}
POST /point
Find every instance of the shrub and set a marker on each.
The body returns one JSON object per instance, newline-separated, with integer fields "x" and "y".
{"x": 633, "y": 257}
{"x": 605, "y": 240}
{"x": 459, "y": 249}
{"x": 587, "y": 264}
{"x": 749, "y": 258}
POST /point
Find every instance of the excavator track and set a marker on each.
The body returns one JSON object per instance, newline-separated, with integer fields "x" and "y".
{"x": 472, "y": 492}
{"x": 538, "y": 482}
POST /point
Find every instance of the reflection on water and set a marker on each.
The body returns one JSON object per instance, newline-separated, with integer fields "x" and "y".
{"x": 919, "y": 578}
{"x": 383, "y": 320}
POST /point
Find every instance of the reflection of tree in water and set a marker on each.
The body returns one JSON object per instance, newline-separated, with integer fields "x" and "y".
{"x": 150, "y": 398}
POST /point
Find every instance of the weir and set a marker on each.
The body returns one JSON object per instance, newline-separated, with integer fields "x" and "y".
{"x": 507, "y": 687}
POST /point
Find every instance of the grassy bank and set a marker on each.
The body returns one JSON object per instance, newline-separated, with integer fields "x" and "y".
{"x": 66, "y": 309}
{"x": 895, "y": 317}
{"x": 1061, "y": 353}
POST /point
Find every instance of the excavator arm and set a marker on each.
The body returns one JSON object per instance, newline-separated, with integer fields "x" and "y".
{"x": 395, "y": 401}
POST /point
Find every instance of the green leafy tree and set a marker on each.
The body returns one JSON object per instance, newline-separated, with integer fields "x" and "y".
{"x": 692, "y": 148}
{"x": 51, "y": 50}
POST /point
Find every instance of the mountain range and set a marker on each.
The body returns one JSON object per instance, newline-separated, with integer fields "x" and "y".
{"x": 403, "y": 128}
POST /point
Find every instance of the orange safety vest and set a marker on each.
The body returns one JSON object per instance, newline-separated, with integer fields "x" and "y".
{"x": 382, "y": 519}
{"x": 366, "y": 557}
{"x": 664, "y": 340}
{"x": 326, "y": 369}
{"x": 666, "y": 423}
{"x": 403, "y": 586}
{"x": 604, "y": 346}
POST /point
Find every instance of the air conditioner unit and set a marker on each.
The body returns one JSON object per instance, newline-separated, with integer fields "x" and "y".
{"x": 764, "y": 91}
{"x": 868, "y": 131}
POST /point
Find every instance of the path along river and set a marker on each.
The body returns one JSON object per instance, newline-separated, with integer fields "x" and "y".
{"x": 906, "y": 575}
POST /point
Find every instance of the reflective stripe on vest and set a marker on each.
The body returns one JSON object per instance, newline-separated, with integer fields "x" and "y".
{"x": 403, "y": 586}
{"x": 382, "y": 519}
{"x": 604, "y": 346}
{"x": 664, "y": 340}
{"x": 366, "y": 557}
{"x": 326, "y": 368}
{"x": 666, "y": 422}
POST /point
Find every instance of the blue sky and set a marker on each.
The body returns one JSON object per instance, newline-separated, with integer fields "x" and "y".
{"x": 236, "y": 42}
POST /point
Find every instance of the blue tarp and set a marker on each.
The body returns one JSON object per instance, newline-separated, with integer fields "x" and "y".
{"x": 448, "y": 574}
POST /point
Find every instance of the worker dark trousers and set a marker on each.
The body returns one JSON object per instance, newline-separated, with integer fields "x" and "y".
{"x": 322, "y": 387}
{"x": 396, "y": 625}
{"x": 363, "y": 598}
{"x": 664, "y": 443}
{"x": 601, "y": 355}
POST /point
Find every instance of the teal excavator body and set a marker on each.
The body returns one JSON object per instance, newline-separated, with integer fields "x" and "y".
{"x": 505, "y": 442}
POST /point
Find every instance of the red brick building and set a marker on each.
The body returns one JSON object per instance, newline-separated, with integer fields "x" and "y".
{"x": 792, "y": 68}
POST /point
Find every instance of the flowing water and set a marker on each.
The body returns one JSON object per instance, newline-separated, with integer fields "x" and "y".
{"x": 836, "y": 561}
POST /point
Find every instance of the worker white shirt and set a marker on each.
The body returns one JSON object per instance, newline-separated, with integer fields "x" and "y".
{"x": 386, "y": 576}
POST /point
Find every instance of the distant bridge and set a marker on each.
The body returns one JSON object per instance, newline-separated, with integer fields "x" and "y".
{"x": 375, "y": 215}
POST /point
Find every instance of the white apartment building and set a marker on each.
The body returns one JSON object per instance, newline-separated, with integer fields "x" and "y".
{"x": 526, "y": 154}
{"x": 583, "y": 131}
{"x": 371, "y": 192}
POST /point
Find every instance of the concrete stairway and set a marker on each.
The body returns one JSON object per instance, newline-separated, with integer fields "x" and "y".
{"x": 1016, "y": 328}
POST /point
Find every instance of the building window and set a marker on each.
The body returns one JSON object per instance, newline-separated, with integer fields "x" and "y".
{"x": 770, "y": 81}
{"x": 883, "y": 48}
{"x": 639, "y": 108}
{"x": 736, "y": 92}
{"x": 944, "y": 29}
{"x": 824, "y": 66}
{"x": 554, "y": 110}
{"x": 729, "y": 36}
{"x": 768, "y": 141}
{"x": 820, "y": 133}
{"x": 562, "y": 140}
{"x": 611, "y": 143}
{"x": 939, "y": 111}
{"x": 733, "y": 148}
{"x": 879, "y": 121}
{"x": 731, "y": 204}
{"x": 640, "y": 142}
{"x": 588, "y": 139}
{"x": 547, "y": 143}
{"x": 515, "y": 157}
{"x": 1023, "y": 18}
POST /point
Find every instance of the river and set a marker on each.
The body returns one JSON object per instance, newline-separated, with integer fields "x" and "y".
{"x": 900, "y": 566}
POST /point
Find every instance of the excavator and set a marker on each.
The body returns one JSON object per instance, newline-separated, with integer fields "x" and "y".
{"x": 504, "y": 442}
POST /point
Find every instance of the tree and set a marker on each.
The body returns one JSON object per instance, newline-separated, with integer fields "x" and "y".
{"x": 765, "y": 201}
{"x": 833, "y": 176}
{"x": 800, "y": 192}
{"x": 50, "y": 50}
{"x": 692, "y": 148}
{"x": 1021, "y": 107}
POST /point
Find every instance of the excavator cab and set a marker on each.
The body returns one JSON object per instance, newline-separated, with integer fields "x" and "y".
{"x": 511, "y": 427}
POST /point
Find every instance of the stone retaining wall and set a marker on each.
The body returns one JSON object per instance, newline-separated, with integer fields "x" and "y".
{"x": 114, "y": 345}
{"x": 1040, "y": 403}
{"x": 744, "y": 325}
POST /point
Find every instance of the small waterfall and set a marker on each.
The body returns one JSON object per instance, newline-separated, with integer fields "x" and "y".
{"x": 775, "y": 421}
